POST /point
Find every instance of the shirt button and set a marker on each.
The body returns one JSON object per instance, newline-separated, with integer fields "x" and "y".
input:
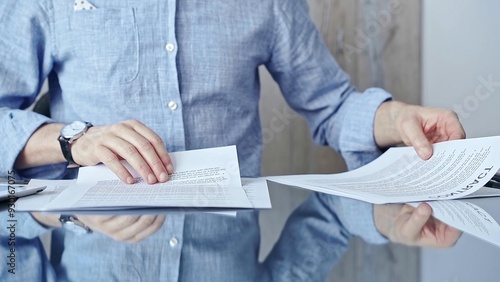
{"x": 172, "y": 105}
{"x": 173, "y": 242}
{"x": 170, "y": 47}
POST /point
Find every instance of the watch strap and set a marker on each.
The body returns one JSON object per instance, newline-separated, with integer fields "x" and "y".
{"x": 66, "y": 146}
{"x": 66, "y": 150}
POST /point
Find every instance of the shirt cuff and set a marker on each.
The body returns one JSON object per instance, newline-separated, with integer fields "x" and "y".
{"x": 357, "y": 217}
{"x": 357, "y": 116}
{"x": 17, "y": 127}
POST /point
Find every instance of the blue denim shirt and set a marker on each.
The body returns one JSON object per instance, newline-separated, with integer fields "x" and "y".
{"x": 189, "y": 71}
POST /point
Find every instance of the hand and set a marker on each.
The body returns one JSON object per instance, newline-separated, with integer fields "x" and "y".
{"x": 414, "y": 226}
{"x": 125, "y": 228}
{"x": 416, "y": 126}
{"x": 130, "y": 140}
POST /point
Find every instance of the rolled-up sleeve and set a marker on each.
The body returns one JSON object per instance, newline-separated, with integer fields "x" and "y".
{"x": 315, "y": 86}
{"x": 26, "y": 32}
{"x": 340, "y": 117}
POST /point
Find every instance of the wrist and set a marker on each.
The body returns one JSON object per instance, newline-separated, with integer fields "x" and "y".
{"x": 70, "y": 134}
{"x": 385, "y": 129}
{"x": 41, "y": 148}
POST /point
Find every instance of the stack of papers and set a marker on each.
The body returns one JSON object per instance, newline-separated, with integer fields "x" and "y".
{"x": 208, "y": 180}
{"x": 457, "y": 170}
{"x": 204, "y": 180}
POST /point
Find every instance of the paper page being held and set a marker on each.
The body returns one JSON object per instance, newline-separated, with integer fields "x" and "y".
{"x": 202, "y": 178}
{"x": 456, "y": 169}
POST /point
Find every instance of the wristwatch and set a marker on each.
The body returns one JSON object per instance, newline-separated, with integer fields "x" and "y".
{"x": 71, "y": 223}
{"x": 70, "y": 133}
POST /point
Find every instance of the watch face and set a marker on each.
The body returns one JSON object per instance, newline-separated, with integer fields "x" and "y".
{"x": 73, "y": 129}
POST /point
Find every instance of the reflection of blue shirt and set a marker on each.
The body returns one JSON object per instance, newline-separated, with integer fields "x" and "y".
{"x": 188, "y": 70}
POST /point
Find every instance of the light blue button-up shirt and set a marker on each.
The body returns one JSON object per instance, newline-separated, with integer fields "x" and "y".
{"x": 189, "y": 71}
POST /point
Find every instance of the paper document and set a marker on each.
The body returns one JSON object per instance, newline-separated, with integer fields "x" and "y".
{"x": 38, "y": 201}
{"x": 467, "y": 217}
{"x": 257, "y": 192}
{"x": 456, "y": 169}
{"x": 206, "y": 179}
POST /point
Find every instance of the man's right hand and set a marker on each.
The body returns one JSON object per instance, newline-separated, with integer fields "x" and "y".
{"x": 130, "y": 140}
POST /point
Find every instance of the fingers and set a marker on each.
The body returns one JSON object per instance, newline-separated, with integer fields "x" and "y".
{"x": 139, "y": 153}
{"x": 157, "y": 144}
{"x": 115, "y": 224}
{"x": 143, "y": 149}
{"x": 416, "y": 126}
{"x": 420, "y": 127}
{"x": 111, "y": 160}
{"x": 456, "y": 129}
{"x": 149, "y": 230}
{"x": 412, "y": 228}
{"x": 448, "y": 236}
{"x": 125, "y": 228}
{"x": 413, "y": 135}
{"x": 133, "y": 229}
{"x": 94, "y": 222}
{"x": 418, "y": 227}
{"x": 130, "y": 140}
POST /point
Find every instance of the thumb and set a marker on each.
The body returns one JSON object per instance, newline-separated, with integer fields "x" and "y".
{"x": 418, "y": 140}
{"x": 414, "y": 225}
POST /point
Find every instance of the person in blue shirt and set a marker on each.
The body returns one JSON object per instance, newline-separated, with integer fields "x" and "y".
{"x": 154, "y": 77}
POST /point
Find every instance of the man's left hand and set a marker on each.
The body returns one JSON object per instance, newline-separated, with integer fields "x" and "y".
{"x": 397, "y": 122}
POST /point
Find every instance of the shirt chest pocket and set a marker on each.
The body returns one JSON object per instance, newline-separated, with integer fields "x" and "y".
{"x": 106, "y": 45}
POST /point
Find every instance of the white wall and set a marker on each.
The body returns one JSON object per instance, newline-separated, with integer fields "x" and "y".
{"x": 461, "y": 52}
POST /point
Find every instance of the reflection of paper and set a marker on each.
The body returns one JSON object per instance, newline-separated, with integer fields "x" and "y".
{"x": 255, "y": 189}
{"x": 457, "y": 168}
{"x": 467, "y": 217}
{"x": 40, "y": 200}
{"x": 484, "y": 192}
{"x": 207, "y": 178}
{"x": 257, "y": 192}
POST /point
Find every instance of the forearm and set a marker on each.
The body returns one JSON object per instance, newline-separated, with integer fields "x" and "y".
{"x": 42, "y": 148}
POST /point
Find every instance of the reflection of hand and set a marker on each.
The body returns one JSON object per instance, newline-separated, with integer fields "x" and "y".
{"x": 416, "y": 126}
{"x": 125, "y": 228}
{"x": 130, "y": 140}
{"x": 414, "y": 226}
